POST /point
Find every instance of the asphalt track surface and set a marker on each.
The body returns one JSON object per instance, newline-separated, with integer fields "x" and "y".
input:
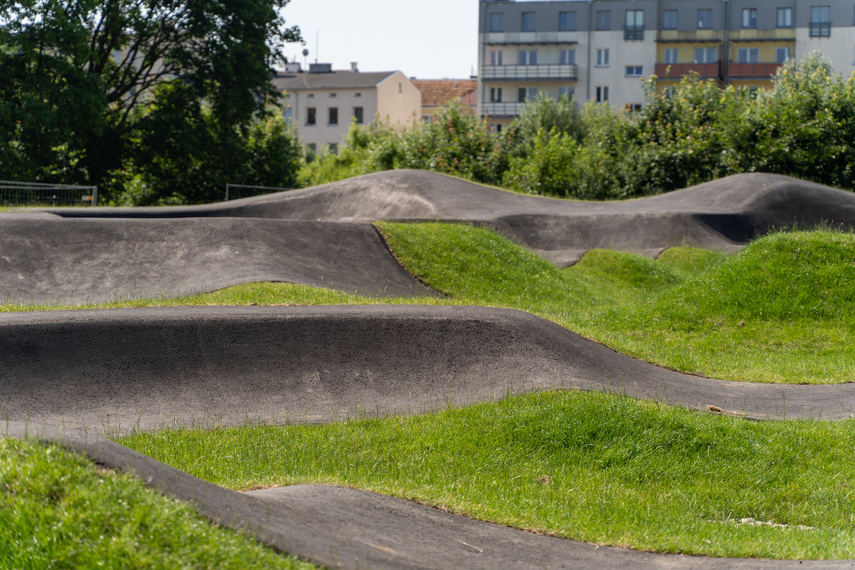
{"x": 66, "y": 376}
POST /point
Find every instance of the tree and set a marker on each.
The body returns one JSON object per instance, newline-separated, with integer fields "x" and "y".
{"x": 82, "y": 77}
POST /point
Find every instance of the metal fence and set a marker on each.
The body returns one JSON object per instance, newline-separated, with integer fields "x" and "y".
{"x": 236, "y": 191}
{"x": 37, "y": 194}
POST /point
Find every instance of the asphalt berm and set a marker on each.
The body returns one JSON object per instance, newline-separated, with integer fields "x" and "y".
{"x": 323, "y": 235}
{"x": 66, "y": 376}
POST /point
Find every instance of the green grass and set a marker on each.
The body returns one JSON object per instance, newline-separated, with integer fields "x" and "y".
{"x": 592, "y": 467}
{"x": 782, "y": 310}
{"x": 58, "y": 510}
{"x": 587, "y": 466}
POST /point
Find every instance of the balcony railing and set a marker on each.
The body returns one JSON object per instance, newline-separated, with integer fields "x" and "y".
{"x": 529, "y": 72}
{"x": 752, "y": 69}
{"x": 677, "y": 70}
{"x": 820, "y": 29}
{"x": 500, "y": 110}
{"x": 633, "y": 32}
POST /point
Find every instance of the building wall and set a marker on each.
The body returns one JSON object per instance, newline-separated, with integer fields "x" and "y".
{"x": 399, "y": 101}
{"x": 323, "y": 134}
{"x": 726, "y": 34}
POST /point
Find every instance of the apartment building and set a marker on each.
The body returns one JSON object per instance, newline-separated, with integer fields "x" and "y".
{"x": 322, "y": 102}
{"x": 600, "y": 50}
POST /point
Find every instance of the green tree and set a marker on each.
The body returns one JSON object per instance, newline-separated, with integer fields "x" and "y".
{"x": 81, "y": 77}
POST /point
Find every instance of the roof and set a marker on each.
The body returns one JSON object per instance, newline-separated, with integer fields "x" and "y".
{"x": 439, "y": 92}
{"x": 333, "y": 80}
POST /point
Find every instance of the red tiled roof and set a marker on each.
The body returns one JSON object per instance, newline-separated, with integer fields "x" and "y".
{"x": 439, "y": 92}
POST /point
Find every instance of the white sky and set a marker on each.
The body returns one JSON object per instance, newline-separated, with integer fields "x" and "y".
{"x": 427, "y": 40}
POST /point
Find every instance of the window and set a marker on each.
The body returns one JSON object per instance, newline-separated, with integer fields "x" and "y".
{"x": 604, "y": 20}
{"x": 748, "y": 55}
{"x": 749, "y": 17}
{"x": 311, "y": 96}
{"x": 497, "y": 22}
{"x": 569, "y": 91}
{"x": 704, "y": 19}
{"x": 634, "y": 71}
{"x": 528, "y": 21}
{"x": 313, "y": 148}
{"x": 311, "y": 117}
{"x": 782, "y": 54}
{"x": 358, "y": 114}
{"x": 567, "y": 21}
{"x": 705, "y": 55}
{"x": 669, "y": 20}
{"x": 333, "y": 115}
{"x": 524, "y": 94}
{"x": 602, "y": 94}
{"x": 567, "y": 57}
{"x": 496, "y": 128}
{"x": 634, "y": 29}
{"x": 358, "y": 95}
{"x": 495, "y": 94}
{"x": 672, "y": 55}
{"x": 527, "y": 57}
{"x": 785, "y": 17}
{"x": 333, "y": 148}
{"x": 496, "y": 57}
{"x": 820, "y": 22}
{"x": 670, "y": 91}
{"x": 632, "y": 108}
{"x": 603, "y": 57}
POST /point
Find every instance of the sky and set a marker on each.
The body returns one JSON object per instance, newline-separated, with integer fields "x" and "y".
{"x": 427, "y": 40}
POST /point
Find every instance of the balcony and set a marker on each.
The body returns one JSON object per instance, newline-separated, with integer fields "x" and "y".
{"x": 764, "y": 70}
{"x": 678, "y": 70}
{"x": 502, "y": 110}
{"x": 529, "y": 72}
{"x": 633, "y": 32}
{"x": 820, "y": 29}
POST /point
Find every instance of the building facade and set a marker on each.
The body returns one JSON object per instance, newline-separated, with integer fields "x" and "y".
{"x": 600, "y": 50}
{"x": 323, "y": 103}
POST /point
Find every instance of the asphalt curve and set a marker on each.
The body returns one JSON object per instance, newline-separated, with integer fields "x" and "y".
{"x": 145, "y": 368}
{"x": 46, "y": 259}
{"x": 122, "y": 369}
{"x": 723, "y": 214}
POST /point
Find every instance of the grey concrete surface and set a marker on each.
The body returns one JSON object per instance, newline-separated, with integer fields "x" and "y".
{"x": 75, "y": 261}
{"x": 722, "y": 214}
{"x": 117, "y": 370}
{"x": 347, "y": 528}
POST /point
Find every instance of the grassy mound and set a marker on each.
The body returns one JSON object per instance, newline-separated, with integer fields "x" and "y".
{"x": 587, "y": 466}
{"x": 782, "y": 310}
{"x": 58, "y": 510}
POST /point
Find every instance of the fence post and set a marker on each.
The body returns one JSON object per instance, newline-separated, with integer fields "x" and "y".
{"x": 94, "y": 196}
{"x": 227, "y": 191}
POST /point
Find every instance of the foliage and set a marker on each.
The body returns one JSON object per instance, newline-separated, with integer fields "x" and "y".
{"x": 79, "y": 79}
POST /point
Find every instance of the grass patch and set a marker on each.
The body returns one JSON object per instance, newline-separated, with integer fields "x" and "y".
{"x": 587, "y": 466}
{"x": 782, "y": 310}
{"x": 58, "y": 510}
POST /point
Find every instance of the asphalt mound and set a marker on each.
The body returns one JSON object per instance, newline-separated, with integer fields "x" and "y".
{"x": 72, "y": 261}
{"x": 118, "y": 370}
{"x": 723, "y": 214}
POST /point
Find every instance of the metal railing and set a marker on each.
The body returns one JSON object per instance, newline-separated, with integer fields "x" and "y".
{"x": 530, "y": 72}
{"x": 500, "y": 110}
{"x": 820, "y": 29}
{"x": 35, "y": 194}
{"x": 633, "y": 33}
